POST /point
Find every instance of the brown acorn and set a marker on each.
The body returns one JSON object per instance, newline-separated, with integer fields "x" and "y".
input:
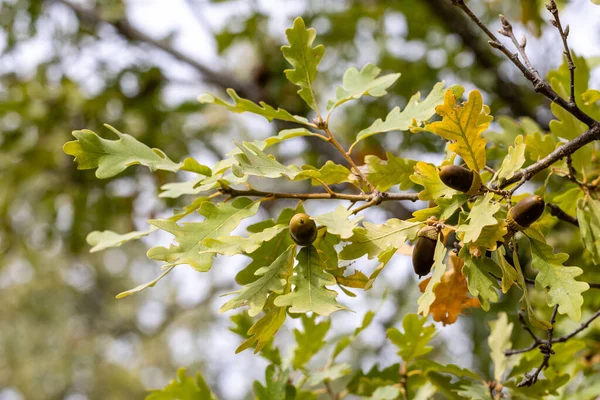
{"x": 424, "y": 250}
{"x": 461, "y": 179}
{"x": 525, "y": 212}
{"x": 303, "y": 229}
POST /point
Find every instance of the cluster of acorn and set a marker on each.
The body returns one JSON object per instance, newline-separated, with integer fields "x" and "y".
{"x": 303, "y": 229}
{"x": 519, "y": 217}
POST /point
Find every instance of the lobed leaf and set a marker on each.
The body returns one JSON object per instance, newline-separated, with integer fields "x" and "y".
{"x": 428, "y": 176}
{"x": 271, "y": 279}
{"x": 412, "y": 343}
{"x": 439, "y": 268}
{"x": 499, "y": 341}
{"x": 481, "y": 215}
{"x": 183, "y": 388}
{"x": 557, "y": 279}
{"x": 481, "y": 283}
{"x": 513, "y": 161}
{"x": 361, "y": 83}
{"x": 415, "y": 112}
{"x": 111, "y": 157}
{"x": 338, "y": 222}
{"x": 391, "y": 172}
{"x": 241, "y": 105}
{"x": 310, "y": 280}
{"x": 374, "y": 239}
{"x": 463, "y": 125}
{"x": 588, "y": 216}
{"x": 304, "y": 59}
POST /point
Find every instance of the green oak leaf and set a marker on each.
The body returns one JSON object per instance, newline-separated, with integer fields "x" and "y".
{"x": 304, "y": 59}
{"x": 330, "y": 174}
{"x": 309, "y": 341}
{"x": 253, "y": 161}
{"x": 414, "y": 114}
{"x": 242, "y": 324}
{"x": 361, "y": 83}
{"x": 200, "y": 185}
{"x": 428, "y": 176}
{"x": 338, "y": 222}
{"x": 557, "y": 279}
{"x": 480, "y": 282}
{"x": 191, "y": 165}
{"x": 445, "y": 208}
{"x": 391, "y": 172}
{"x": 588, "y": 215}
{"x": 568, "y": 199}
{"x": 271, "y": 279}
{"x": 241, "y": 105}
{"x": 101, "y": 240}
{"x": 413, "y": 342}
{"x": 509, "y": 274}
{"x": 263, "y": 330}
{"x": 331, "y": 373}
{"x": 536, "y": 321}
{"x": 220, "y": 220}
{"x": 364, "y": 384}
{"x": 275, "y": 385}
{"x": 232, "y": 245}
{"x": 112, "y": 157}
{"x": 385, "y": 393}
{"x": 474, "y": 391}
{"x": 269, "y": 250}
{"x": 513, "y": 161}
{"x": 183, "y": 388}
{"x": 538, "y": 146}
{"x": 439, "y": 268}
{"x": 310, "y": 292}
{"x": 499, "y": 341}
{"x": 481, "y": 215}
{"x": 373, "y": 239}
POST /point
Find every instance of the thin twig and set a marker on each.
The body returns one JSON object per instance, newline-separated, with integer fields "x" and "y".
{"x": 576, "y": 331}
{"x": 508, "y": 32}
{"x": 315, "y": 196}
{"x": 546, "y": 349}
{"x": 564, "y": 33}
{"x": 345, "y": 154}
{"x": 559, "y": 213}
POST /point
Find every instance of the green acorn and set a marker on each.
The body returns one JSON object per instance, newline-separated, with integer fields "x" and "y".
{"x": 461, "y": 179}
{"x": 303, "y": 229}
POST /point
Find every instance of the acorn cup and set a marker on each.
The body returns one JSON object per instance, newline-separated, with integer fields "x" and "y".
{"x": 525, "y": 213}
{"x": 461, "y": 179}
{"x": 424, "y": 250}
{"x": 303, "y": 229}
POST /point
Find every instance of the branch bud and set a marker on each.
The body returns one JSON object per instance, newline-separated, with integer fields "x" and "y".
{"x": 523, "y": 42}
{"x": 566, "y": 31}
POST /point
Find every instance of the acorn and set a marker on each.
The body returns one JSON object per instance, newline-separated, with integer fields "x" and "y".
{"x": 303, "y": 229}
{"x": 461, "y": 179}
{"x": 424, "y": 250}
{"x": 525, "y": 212}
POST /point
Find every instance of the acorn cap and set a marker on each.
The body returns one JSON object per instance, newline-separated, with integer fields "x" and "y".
{"x": 430, "y": 232}
{"x": 525, "y": 212}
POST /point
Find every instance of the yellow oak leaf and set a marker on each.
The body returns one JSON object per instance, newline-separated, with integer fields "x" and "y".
{"x": 451, "y": 294}
{"x": 463, "y": 124}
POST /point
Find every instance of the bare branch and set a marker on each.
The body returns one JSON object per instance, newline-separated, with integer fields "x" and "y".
{"x": 539, "y": 85}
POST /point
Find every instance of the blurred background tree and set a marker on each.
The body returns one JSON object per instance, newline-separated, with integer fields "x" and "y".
{"x": 139, "y": 65}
